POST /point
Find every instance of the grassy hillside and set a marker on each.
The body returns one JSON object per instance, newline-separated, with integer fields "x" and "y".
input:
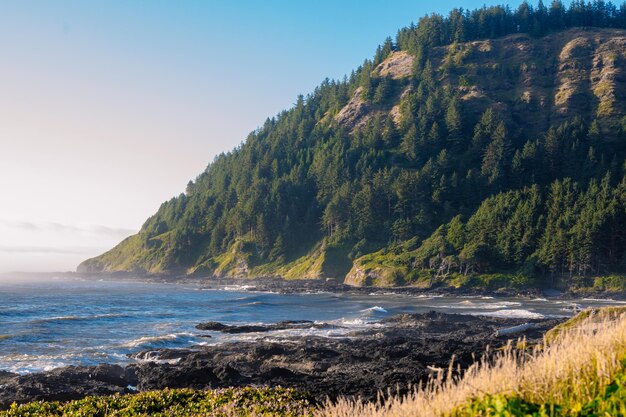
{"x": 486, "y": 143}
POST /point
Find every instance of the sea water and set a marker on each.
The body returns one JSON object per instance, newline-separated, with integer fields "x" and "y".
{"x": 58, "y": 322}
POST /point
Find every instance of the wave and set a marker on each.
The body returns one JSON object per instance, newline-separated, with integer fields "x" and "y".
{"x": 350, "y": 322}
{"x": 604, "y": 300}
{"x": 154, "y": 356}
{"x": 24, "y": 333}
{"x": 79, "y": 318}
{"x": 238, "y": 287}
{"x": 323, "y": 292}
{"x": 375, "y": 309}
{"x": 157, "y": 340}
{"x": 25, "y": 364}
{"x": 257, "y": 303}
{"x": 426, "y": 296}
{"x": 33, "y": 366}
{"x": 519, "y": 313}
{"x": 572, "y": 308}
{"x": 472, "y": 305}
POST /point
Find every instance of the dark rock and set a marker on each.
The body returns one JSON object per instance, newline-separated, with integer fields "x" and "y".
{"x": 212, "y": 325}
{"x": 260, "y": 328}
{"x": 110, "y": 374}
{"x": 228, "y": 373}
{"x": 278, "y": 372}
{"x": 63, "y": 384}
{"x": 394, "y": 356}
{"x": 6, "y": 375}
{"x": 196, "y": 374}
{"x": 130, "y": 375}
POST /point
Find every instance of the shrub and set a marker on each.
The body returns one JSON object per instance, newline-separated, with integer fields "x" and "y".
{"x": 177, "y": 403}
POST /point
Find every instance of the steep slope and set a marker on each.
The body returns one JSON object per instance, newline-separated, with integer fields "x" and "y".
{"x": 546, "y": 81}
{"x": 421, "y": 167}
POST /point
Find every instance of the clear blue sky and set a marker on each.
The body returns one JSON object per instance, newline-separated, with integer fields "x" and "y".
{"x": 108, "y": 108}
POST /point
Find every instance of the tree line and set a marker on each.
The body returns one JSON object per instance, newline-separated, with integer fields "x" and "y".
{"x": 479, "y": 193}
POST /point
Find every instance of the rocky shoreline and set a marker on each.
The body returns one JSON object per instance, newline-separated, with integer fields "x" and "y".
{"x": 281, "y": 285}
{"x": 392, "y": 355}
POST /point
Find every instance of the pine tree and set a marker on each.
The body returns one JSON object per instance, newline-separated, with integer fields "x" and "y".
{"x": 383, "y": 90}
{"x": 409, "y": 143}
{"x": 454, "y": 126}
{"x": 496, "y": 153}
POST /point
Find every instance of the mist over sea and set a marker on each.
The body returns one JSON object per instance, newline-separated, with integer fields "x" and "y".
{"x": 58, "y": 321}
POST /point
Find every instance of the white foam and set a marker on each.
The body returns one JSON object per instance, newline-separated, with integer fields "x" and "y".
{"x": 255, "y": 303}
{"x": 519, "y": 313}
{"x": 509, "y": 303}
{"x": 604, "y": 300}
{"x": 26, "y": 364}
{"x": 162, "y": 361}
{"x": 573, "y": 307}
{"x": 472, "y": 305}
{"x": 146, "y": 340}
{"x": 351, "y": 322}
{"x": 376, "y": 309}
{"x": 77, "y": 318}
{"x": 238, "y": 287}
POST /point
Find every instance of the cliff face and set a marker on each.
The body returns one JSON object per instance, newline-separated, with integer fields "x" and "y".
{"x": 530, "y": 84}
{"x": 534, "y": 83}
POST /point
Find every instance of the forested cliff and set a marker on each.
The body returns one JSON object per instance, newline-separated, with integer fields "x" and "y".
{"x": 488, "y": 141}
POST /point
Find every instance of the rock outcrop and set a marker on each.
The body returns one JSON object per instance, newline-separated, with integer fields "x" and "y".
{"x": 401, "y": 351}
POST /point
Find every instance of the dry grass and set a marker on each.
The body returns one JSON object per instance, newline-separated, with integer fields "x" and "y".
{"x": 398, "y": 65}
{"x": 572, "y": 370}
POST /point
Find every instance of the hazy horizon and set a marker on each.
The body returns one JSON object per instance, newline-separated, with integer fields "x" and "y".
{"x": 107, "y": 110}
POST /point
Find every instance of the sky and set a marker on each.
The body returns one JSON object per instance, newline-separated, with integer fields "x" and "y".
{"x": 109, "y": 108}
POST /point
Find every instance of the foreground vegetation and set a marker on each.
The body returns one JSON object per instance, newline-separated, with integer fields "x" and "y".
{"x": 580, "y": 370}
{"x": 177, "y": 403}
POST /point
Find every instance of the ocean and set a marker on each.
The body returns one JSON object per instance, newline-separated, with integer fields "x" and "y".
{"x": 59, "y": 322}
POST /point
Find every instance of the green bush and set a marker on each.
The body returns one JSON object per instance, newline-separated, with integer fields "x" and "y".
{"x": 177, "y": 403}
{"x": 610, "y": 283}
{"x": 493, "y": 281}
{"x": 610, "y": 402}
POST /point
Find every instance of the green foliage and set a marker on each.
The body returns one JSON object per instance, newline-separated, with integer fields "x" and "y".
{"x": 502, "y": 406}
{"x": 611, "y": 401}
{"x": 610, "y": 283}
{"x": 477, "y": 189}
{"x": 494, "y": 281}
{"x": 597, "y": 315}
{"x": 179, "y": 402}
{"x": 495, "y": 21}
